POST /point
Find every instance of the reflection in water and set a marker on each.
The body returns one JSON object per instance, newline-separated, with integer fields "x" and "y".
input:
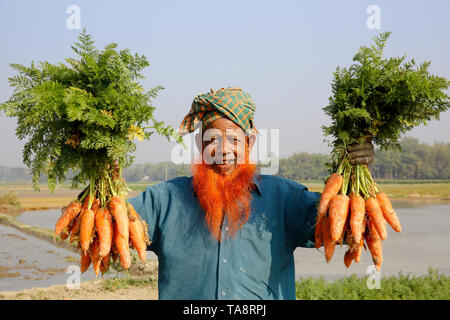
{"x": 27, "y": 262}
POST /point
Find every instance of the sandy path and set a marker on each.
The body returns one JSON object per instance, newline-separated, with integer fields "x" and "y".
{"x": 91, "y": 290}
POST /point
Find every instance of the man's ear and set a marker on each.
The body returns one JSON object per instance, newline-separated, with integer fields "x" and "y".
{"x": 251, "y": 140}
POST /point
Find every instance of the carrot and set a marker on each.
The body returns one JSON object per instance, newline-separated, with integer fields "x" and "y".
{"x": 76, "y": 227}
{"x": 376, "y": 216}
{"x": 121, "y": 244}
{"x": 118, "y": 209}
{"x": 348, "y": 257}
{"x": 69, "y": 213}
{"x": 86, "y": 228}
{"x": 373, "y": 241}
{"x": 104, "y": 266}
{"x": 358, "y": 252}
{"x": 137, "y": 238}
{"x": 337, "y": 214}
{"x": 85, "y": 262}
{"x": 388, "y": 212}
{"x": 95, "y": 205}
{"x": 331, "y": 189}
{"x": 345, "y": 231}
{"x": 357, "y": 212}
{"x": 137, "y": 233}
{"x": 95, "y": 258}
{"x": 64, "y": 235}
{"x": 77, "y": 222}
{"x": 103, "y": 224}
{"x": 318, "y": 235}
{"x": 329, "y": 244}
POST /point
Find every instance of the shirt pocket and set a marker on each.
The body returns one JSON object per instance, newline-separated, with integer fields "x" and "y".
{"x": 257, "y": 250}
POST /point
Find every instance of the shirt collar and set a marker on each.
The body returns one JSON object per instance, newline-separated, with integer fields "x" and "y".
{"x": 256, "y": 183}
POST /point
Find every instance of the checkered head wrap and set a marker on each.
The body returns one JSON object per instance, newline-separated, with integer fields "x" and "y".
{"x": 232, "y": 103}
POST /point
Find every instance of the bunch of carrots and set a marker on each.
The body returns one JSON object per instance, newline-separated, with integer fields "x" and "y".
{"x": 103, "y": 231}
{"x": 352, "y": 210}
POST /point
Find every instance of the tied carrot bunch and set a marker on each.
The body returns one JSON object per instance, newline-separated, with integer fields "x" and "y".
{"x": 80, "y": 119}
{"x": 104, "y": 231}
{"x": 349, "y": 213}
{"x": 376, "y": 99}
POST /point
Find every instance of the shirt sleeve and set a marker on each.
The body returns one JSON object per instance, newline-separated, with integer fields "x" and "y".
{"x": 302, "y": 218}
{"x": 146, "y": 206}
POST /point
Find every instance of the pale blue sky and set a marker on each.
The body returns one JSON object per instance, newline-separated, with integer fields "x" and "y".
{"x": 282, "y": 52}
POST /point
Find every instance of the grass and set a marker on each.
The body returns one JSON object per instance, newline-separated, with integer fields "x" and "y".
{"x": 128, "y": 282}
{"x": 433, "y": 286}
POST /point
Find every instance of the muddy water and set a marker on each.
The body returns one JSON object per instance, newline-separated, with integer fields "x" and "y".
{"x": 425, "y": 243}
{"x": 27, "y": 262}
{"x": 43, "y": 218}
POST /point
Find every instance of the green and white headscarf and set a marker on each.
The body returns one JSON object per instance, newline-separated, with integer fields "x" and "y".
{"x": 233, "y": 103}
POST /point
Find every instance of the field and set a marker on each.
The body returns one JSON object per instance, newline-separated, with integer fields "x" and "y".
{"x": 144, "y": 286}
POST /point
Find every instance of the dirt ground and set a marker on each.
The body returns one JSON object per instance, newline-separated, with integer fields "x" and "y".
{"x": 142, "y": 284}
{"x": 91, "y": 290}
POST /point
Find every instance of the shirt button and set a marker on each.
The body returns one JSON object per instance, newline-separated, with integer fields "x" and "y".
{"x": 224, "y": 260}
{"x": 223, "y": 293}
{"x": 226, "y": 229}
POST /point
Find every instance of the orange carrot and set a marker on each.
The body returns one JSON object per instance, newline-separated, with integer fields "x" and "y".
{"x": 104, "y": 266}
{"x": 376, "y": 216}
{"x": 358, "y": 251}
{"x": 357, "y": 212}
{"x": 318, "y": 235}
{"x": 85, "y": 262}
{"x": 95, "y": 258}
{"x": 121, "y": 244}
{"x": 331, "y": 189}
{"x": 76, "y": 228}
{"x": 137, "y": 233}
{"x": 103, "y": 224}
{"x": 137, "y": 238}
{"x": 337, "y": 214}
{"x": 345, "y": 231}
{"x": 119, "y": 211}
{"x": 388, "y": 212}
{"x": 64, "y": 235}
{"x": 86, "y": 228}
{"x": 95, "y": 205}
{"x": 373, "y": 241}
{"x": 329, "y": 244}
{"x": 70, "y": 212}
{"x": 348, "y": 258}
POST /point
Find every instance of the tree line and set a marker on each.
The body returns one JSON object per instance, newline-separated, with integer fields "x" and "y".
{"x": 416, "y": 161}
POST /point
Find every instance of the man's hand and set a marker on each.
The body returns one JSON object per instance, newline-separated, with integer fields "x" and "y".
{"x": 361, "y": 153}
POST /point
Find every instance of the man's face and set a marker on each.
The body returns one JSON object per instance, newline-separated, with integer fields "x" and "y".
{"x": 224, "y": 145}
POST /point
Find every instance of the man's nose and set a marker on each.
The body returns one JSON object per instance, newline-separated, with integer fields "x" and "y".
{"x": 227, "y": 148}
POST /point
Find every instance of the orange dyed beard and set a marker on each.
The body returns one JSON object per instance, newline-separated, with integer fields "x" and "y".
{"x": 224, "y": 195}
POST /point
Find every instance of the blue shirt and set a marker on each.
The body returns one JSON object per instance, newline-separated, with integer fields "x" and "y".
{"x": 257, "y": 263}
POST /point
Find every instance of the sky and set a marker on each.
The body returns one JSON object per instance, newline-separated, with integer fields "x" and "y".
{"x": 283, "y": 53}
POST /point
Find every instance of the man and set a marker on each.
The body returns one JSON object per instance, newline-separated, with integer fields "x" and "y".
{"x": 227, "y": 232}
